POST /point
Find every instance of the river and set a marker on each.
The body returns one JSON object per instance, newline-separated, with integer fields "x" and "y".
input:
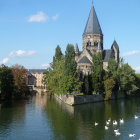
{"x": 46, "y": 118}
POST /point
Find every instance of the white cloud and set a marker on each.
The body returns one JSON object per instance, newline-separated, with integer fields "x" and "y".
{"x": 39, "y": 17}
{"x": 137, "y": 68}
{"x": 131, "y": 53}
{"x": 46, "y": 65}
{"x": 18, "y": 53}
{"x": 21, "y": 53}
{"x": 55, "y": 17}
{"x": 4, "y": 61}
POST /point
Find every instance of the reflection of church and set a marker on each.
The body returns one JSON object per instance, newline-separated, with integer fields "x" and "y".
{"x": 93, "y": 43}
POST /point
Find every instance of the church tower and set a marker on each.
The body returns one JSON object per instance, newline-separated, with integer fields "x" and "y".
{"x": 92, "y": 36}
{"x": 92, "y": 44}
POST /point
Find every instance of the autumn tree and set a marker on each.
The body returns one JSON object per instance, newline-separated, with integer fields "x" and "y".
{"x": 20, "y": 80}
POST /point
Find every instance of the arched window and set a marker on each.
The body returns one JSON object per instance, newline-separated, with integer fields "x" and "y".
{"x": 88, "y": 43}
{"x": 96, "y": 44}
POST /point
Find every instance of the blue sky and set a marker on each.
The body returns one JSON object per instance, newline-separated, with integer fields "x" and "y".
{"x": 31, "y": 29}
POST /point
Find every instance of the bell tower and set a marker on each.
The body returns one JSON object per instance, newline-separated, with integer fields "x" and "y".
{"x": 92, "y": 35}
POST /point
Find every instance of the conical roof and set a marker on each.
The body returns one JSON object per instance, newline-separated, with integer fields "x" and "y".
{"x": 115, "y": 44}
{"x": 77, "y": 48}
{"x": 92, "y": 26}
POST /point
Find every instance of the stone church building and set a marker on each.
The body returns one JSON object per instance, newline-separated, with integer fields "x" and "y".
{"x": 92, "y": 44}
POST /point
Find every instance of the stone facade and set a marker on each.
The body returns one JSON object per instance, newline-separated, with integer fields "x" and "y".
{"x": 92, "y": 44}
{"x": 35, "y": 78}
{"x": 77, "y": 100}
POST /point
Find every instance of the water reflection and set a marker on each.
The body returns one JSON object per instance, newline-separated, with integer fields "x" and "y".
{"x": 11, "y": 112}
{"x": 44, "y": 117}
{"x": 78, "y": 122}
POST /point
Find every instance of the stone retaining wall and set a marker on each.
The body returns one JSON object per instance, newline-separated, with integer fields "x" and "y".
{"x": 76, "y": 100}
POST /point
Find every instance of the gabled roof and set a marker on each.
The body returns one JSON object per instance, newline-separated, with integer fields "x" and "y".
{"x": 116, "y": 45}
{"x": 39, "y": 71}
{"x": 84, "y": 59}
{"x": 107, "y": 54}
{"x": 92, "y": 26}
{"x": 89, "y": 52}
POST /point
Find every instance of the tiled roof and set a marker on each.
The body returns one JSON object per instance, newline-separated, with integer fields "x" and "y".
{"x": 92, "y": 26}
{"x": 37, "y": 71}
{"x": 77, "y": 48}
{"x": 84, "y": 59}
{"x": 107, "y": 54}
{"x": 116, "y": 45}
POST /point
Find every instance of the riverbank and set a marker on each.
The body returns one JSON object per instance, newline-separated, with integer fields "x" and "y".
{"x": 85, "y": 99}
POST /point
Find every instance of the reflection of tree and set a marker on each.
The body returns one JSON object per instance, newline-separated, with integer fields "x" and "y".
{"x": 9, "y": 113}
{"x": 64, "y": 126}
{"x": 78, "y": 122}
{"x": 120, "y": 109}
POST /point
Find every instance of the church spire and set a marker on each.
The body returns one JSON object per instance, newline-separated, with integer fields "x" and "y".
{"x": 92, "y": 26}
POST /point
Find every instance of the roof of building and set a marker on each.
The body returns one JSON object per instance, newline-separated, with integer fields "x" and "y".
{"x": 39, "y": 71}
{"x": 116, "y": 45}
{"x": 107, "y": 54}
{"x": 89, "y": 52}
{"x": 77, "y": 48}
{"x": 84, "y": 59}
{"x": 92, "y": 26}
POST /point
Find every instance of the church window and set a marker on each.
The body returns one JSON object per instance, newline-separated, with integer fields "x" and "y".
{"x": 88, "y": 43}
{"x": 95, "y": 44}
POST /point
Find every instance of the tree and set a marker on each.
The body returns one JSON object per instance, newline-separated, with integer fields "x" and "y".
{"x": 113, "y": 68}
{"x": 6, "y": 83}
{"x": 113, "y": 71}
{"x": 69, "y": 84}
{"x": 58, "y": 54}
{"x": 109, "y": 85}
{"x": 62, "y": 79}
{"x": 98, "y": 73}
{"x": 137, "y": 77}
{"x": 87, "y": 85}
{"x": 70, "y": 64}
{"x": 20, "y": 80}
{"x": 127, "y": 78}
{"x": 54, "y": 77}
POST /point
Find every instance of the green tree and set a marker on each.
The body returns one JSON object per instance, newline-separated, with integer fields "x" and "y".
{"x": 58, "y": 54}
{"x": 98, "y": 73}
{"x": 62, "y": 78}
{"x": 87, "y": 85}
{"x": 54, "y": 76}
{"x": 113, "y": 71}
{"x": 137, "y": 77}
{"x": 127, "y": 79}
{"x": 113, "y": 68}
{"x": 6, "y": 83}
{"x": 109, "y": 85}
{"x": 70, "y": 64}
{"x": 69, "y": 84}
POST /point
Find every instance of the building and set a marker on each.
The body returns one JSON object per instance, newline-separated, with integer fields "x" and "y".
{"x": 35, "y": 78}
{"x": 92, "y": 44}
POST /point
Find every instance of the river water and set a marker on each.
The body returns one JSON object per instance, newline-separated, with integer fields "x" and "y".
{"x": 46, "y": 118}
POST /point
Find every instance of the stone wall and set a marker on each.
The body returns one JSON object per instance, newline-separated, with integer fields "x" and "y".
{"x": 76, "y": 100}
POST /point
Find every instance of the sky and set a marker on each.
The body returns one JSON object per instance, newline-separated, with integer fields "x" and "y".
{"x": 30, "y": 30}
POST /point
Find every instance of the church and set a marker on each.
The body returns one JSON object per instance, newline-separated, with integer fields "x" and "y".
{"x": 92, "y": 44}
